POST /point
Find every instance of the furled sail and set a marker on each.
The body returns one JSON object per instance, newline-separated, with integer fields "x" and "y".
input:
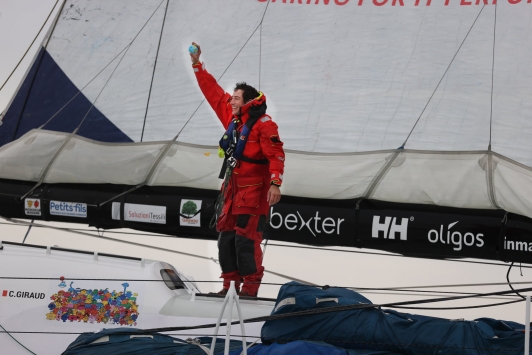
{"x": 405, "y": 121}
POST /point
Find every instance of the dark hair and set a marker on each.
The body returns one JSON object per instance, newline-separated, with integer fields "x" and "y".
{"x": 249, "y": 91}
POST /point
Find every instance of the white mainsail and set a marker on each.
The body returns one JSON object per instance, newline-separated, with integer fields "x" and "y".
{"x": 347, "y": 83}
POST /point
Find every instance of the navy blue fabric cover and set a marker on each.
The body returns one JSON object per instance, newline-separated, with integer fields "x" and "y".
{"x": 122, "y": 344}
{"x": 307, "y": 348}
{"x": 380, "y": 329}
{"x": 43, "y": 93}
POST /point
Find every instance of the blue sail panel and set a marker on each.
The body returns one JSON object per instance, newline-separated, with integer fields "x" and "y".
{"x": 42, "y": 99}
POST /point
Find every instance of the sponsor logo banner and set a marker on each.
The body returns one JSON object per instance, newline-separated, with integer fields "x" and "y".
{"x": 390, "y": 227}
{"x": 453, "y": 236}
{"x": 301, "y": 223}
{"x": 415, "y": 230}
{"x": 143, "y": 213}
{"x": 68, "y": 209}
{"x": 32, "y": 206}
{"x": 517, "y": 241}
{"x": 190, "y": 208}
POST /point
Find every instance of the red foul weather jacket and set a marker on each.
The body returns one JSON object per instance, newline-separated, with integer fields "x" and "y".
{"x": 250, "y": 182}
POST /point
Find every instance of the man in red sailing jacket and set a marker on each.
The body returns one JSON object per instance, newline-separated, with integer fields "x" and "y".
{"x": 254, "y": 183}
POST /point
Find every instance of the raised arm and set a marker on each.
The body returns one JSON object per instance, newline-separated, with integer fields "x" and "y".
{"x": 215, "y": 95}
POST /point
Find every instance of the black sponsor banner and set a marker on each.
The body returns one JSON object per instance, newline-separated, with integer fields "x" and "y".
{"x": 430, "y": 231}
{"x": 516, "y": 244}
{"x": 409, "y": 229}
{"x": 312, "y": 222}
{"x": 101, "y": 215}
{"x": 159, "y": 196}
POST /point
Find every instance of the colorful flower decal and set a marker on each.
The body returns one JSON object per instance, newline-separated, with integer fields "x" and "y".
{"x": 94, "y": 306}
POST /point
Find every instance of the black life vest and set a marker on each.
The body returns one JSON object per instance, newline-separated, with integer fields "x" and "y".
{"x": 233, "y": 142}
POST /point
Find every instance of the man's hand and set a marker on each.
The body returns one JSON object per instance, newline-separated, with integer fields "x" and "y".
{"x": 195, "y": 57}
{"x": 274, "y": 195}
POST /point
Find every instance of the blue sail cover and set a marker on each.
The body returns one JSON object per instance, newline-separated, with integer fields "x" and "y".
{"x": 386, "y": 330}
{"x": 108, "y": 342}
{"x": 307, "y": 348}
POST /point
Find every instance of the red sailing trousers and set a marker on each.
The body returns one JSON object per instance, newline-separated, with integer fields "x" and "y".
{"x": 239, "y": 249}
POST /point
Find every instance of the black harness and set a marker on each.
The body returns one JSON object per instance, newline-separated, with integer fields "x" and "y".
{"x": 233, "y": 142}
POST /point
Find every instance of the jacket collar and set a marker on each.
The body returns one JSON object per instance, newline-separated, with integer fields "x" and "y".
{"x": 244, "y": 110}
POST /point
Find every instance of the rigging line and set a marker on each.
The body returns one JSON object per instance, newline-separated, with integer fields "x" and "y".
{"x": 464, "y": 307}
{"x": 264, "y": 249}
{"x": 92, "y": 105}
{"x": 169, "y": 144}
{"x": 32, "y": 42}
{"x": 260, "y": 53}
{"x": 413, "y": 292}
{"x": 163, "y": 153}
{"x": 111, "y": 239}
{"x": 492, "y": 71}
{"x": 428, "y": 293}
{"x": 446, "y": 286}
{"x": 56, "y": 20}
{"x": 77, "y": 333}
{"x": 49, "y": 165}
{"x": 39, "y": 58}
{"x": 359, "y": 290}
{"x": 226, "y": 69}
{"x": 260, "y": 42}
{"x": 92, "y": 230}
{"x": 9, "y": 333}
{"x": 154, "y": 68}
{"x": 89, "y": 110}
{"x": 416, "y": 288}
{"x": 289, "y": 277}
{"x": 177, "y": 334}
{"x": 28, "y": 232}
{"x": 285, "y": 246}
{"x": 331, "y": 309}
{"x": 443, "y": 76}
{"x": 355, "y": 289}
{"x": 251, "y": 36}
{"x": 105, "y": 67}
{"x": 84, "y": 87}
{"x": 490, "y": 167}
{"x": 394, "y": 255}
{"x": 69, "y": 138}
{"x": 378, "y": 178}
{"x": 150, "y": 247}
{"x": 510, "y": 284}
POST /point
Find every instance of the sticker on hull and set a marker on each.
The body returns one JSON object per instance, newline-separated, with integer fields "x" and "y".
{"x": 94, "y": 306}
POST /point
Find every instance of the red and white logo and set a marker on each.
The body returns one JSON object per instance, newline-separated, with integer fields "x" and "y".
{"x": 32, "y": 207}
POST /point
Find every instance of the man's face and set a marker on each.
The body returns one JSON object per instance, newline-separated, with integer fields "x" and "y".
{"x": 237, "y": 101}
